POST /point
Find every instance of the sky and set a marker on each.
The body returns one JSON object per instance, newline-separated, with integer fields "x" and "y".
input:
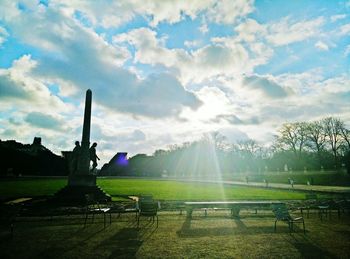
{"x": 168, "y": 72}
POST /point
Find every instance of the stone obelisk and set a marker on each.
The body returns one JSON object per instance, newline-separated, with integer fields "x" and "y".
{"x": 83, "y": 177}
{"x": 82, "y": 182}
{"x": 84, "y": 159}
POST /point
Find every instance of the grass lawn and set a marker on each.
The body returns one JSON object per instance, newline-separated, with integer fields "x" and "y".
{"x": 325, "y": 178}
{"x": 174, "y": 190}
{"x": 215, "y": 236}
{"x": 163, "y": 190}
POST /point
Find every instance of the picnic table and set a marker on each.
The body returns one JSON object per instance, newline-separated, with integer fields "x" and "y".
{"x": 234, "y": 206}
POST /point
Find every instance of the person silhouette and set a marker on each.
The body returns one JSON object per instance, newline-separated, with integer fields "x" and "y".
{"x": 75, "y": 156}
{"x": 93, "y": 156}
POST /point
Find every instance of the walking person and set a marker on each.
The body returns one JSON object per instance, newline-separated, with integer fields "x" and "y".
{"x": 93, "y": 156}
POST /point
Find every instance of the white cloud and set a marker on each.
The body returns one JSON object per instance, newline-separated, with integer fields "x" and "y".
{"x": 65, "y": 39}
{"x": 204, "y": 28}
{"x": 227, "y": 11}
{"x": 267, "y": 86}
{"x": 78, "y": 58}
{"x": 103, "y": 13}
{"x": 250, "y": 30}
{"x": 344, "y": 29}
{"x": 301, "y": 83}
{"x": 159, "y": 95}
{"x": 347, "y": 51}
{"x": 195, "y": 66}
{"x": 215, "y": 102}
{"x": 321, "y": 46}
{"x": 8, "y": 10}
{"x": 338, "y": 17}
{"x": 285, "y": 32}
{"x": 18, "y": 88}
{"x": 192, "y": 44}
{"x": 316, "y": 96}
{"x": 233, "y": 134}
{"x": 252, "y": 36}
{"x": 215, "y": 60}
{"x": 3, "y": 35}
{"x": 132, "y": 135}
{"x": 43, "y": 120}
{"x": 149, "y": 49}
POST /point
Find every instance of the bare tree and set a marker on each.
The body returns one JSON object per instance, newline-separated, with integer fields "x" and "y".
{"x": 293, "y": 136}
{"x": 345, "y": 135}
{"x": 316, "y": 136}
{"x": 218, "y": 140}
{"x": 249, "y": 147}
{"x": 333, "y": 129}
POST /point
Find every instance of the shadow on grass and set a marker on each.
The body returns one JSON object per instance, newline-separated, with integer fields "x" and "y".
{"x": 124, "y": 244}
{"x": 241, "y": 229}
{"x": 345, "y": 233}
{"x": 127, "y": 241}
{"x": 309, "y": 250}
{"x": 58, "y": 249}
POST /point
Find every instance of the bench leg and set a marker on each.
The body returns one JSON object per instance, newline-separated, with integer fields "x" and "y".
{"x": 104, "y": 220}
{"x": 235, "y": 212}
{"x": 275, "y": 225}
{"x": 86, "y": 217}
{"x": 189, "y": 213}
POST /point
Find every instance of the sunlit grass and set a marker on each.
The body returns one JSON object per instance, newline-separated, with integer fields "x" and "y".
{"x": 164, "y": 190}
{"x": 173, "y": 190}
{"x": 209, "y": 167}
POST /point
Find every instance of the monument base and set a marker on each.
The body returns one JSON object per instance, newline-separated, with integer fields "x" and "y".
{"x": 77, "y": 189}
{"x": 82, "y": 180}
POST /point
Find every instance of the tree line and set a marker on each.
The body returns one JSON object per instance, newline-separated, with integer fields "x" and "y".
{"x": 322, "y": 143}
{"x": 318, "y": 145}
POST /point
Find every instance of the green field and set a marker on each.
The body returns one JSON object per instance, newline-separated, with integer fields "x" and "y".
{"x": 299, "y": 177}
{"x": 162, "y": 190}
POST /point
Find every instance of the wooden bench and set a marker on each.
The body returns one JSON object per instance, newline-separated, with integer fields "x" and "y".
{"x": 234, "y": 206}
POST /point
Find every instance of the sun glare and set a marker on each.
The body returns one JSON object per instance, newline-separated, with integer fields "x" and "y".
{"x": 201, "y": 164}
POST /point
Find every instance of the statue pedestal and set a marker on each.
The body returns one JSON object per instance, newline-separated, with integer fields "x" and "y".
{"x": 79, "y": 185}
{"x": 82, "y": 180}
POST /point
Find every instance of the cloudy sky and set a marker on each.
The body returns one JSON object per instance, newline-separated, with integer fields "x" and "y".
{"x": 166, "y": 72}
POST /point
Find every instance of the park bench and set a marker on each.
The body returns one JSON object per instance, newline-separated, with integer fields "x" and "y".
{"x": 173, "y": 205}
{"x": 234, "y": 206}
